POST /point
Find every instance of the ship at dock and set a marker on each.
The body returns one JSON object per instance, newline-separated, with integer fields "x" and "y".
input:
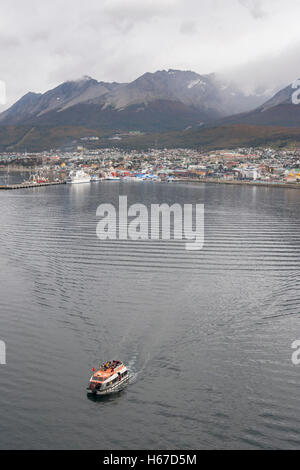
{"x": 78, "y": 176}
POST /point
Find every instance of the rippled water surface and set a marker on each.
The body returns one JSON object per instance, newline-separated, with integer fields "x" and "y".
{"x": 207, "y": 335}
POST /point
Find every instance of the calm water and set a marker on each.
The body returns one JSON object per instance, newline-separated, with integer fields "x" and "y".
{"x": 207, "y": 335}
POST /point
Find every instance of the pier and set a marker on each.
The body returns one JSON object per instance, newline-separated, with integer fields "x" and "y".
{"x": 28, "y": 185}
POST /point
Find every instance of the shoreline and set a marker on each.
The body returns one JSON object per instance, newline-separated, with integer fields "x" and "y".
{"x": 186, "y": 180}
{"x": 241, "y": 183}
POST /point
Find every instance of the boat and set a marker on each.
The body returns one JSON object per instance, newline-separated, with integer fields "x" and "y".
{"x": 172, "y": 179}
{"x": 112, "y": 178}
{"x": 78, "y": 176}
{"x": 95, "y": 179}
{"x": 138, "y": 178}
{"x": 110, "y": 378}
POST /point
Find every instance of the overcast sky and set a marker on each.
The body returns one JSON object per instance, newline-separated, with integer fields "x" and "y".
{"x": 45, "y": 42}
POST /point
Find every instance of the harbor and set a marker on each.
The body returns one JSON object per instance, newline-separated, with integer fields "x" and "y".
{"x": 32, "y": 184}
{"x": 247, "y": 166}
{"x": 70, "y": 301}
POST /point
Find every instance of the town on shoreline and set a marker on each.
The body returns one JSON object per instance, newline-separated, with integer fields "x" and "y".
{"x": 259, "y": 166}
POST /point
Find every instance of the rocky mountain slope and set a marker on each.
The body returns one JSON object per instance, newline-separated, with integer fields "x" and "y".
{"x": 282, "y": 109}
{"x": 164, "y": 100}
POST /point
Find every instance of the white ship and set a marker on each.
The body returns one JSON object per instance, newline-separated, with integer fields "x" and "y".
{"x": 78, "y": 176}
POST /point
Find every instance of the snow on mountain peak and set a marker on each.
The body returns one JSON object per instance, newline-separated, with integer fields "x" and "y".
{"x": 196, "y": 82}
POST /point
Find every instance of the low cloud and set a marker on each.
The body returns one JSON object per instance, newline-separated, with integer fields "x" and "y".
{"x": 188, "y": 27}
{"x": 269, "y": 72}
{"x": 118, "y": 40}
{"x": 255, "y": 8}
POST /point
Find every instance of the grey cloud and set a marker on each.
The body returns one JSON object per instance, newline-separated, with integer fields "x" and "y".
{"x": 268, "y": 72}
{"x": 41, "y": 36}
{"x": 118, "y": 40}
{"x": 9, "y": 41}
{"x": 188, "y": 27}
{"x": 138, "y": 10}
{"x": 255, "y": 8}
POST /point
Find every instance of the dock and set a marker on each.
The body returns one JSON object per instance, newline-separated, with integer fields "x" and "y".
{"x": 28, "y": 185}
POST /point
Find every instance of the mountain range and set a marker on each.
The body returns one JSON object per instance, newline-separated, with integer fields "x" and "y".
{"x": 279, "y": 110}
{"x": 165, "y": 101}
